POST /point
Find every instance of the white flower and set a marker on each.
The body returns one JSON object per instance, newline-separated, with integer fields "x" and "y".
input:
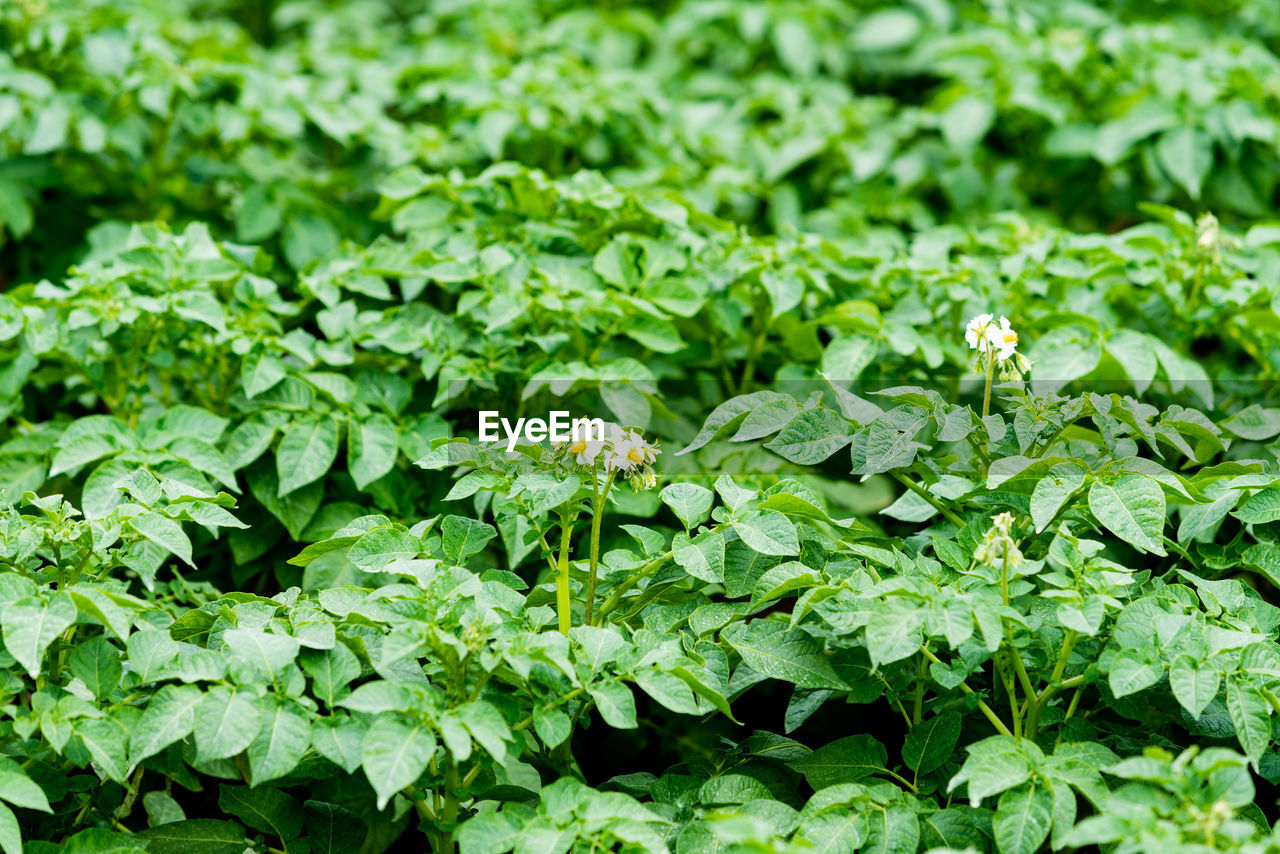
{"x": 976, "y": 332}
{"x": 1003, "y": 339}
{"x": 985, "y": 334}
{"x": 628, "y": 451}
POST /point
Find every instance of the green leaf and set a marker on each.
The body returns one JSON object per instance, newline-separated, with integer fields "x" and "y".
{"x": 96, "y": 663}
{"x": 768, "y": 532}
{"x": 107, "y": 741}
{"x": 372, "y": 446}
{"x": 267, "y": 651}
{"x": 1251, "y": 716}
{"x": 1186, "y": 153}
{"x": 10, "y": 832}
{"x": 330, "y": 670}
{"x": 702, "y": 557}
{"x": 772, "y": 649}
{"x": 1130, "y": 674}
{"x": 31, "y": 625}
{"x": 729, "y": 414}
{"x": 1194, "y": 687}
{"x": 308, "y": 238}
{"x": 227, "y": 720}
{"x": 616, "y": 704}
{"x": 811, "y": 437}
{"x": 462, "y": 537}
{"x": 930, "y": 743}
{"x": 260, "y": 372}
{"x": 846, "y": 357}
{"x": 295, "y": 510}
{"x": 164, "y": 532}
{"x": 1261, "y": 508}
{"x": 263, "y": 808}
{"x": 170, "y": 716}
{"x": 1255, "y": 423}
{"x": 20, "y": 790}
{"x": 195, "y": 836}
{"x": 690, "y": 502}
{"x": 383, "y": 545}
{"x": 1062, "y": 355}
{"x": 332, "y": 829}
{"x": 1133, "y": 508}
{"x": 307, "y": 450}
{"x": 280, "y": 742}
{"x": 396, "y": 751}
{"x": 488, "y": 833}
{"x": 1050, "y": 493}
{"x": 1023, "y": 818}
{"x": 846, "y": 760}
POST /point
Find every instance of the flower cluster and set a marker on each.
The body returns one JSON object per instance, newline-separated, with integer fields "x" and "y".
{"x": 998, "y": 546}
{"x": 999, "y": 339}
{"x": 621, "y": 450}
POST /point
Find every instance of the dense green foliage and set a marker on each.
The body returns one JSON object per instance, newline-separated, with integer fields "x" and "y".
{"x": 263, "y": 264}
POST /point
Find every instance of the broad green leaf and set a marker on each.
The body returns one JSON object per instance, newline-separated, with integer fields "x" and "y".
{"x": 10, "y": 832}
{"x": 96, "y": 663}
{"x": 846, "y": 760}
{"x": 702, "y": 557}
{"x": 1194, "y": 687}
{"x": 31, "y": 625}
{"x": 1261, "y": 508}
{"x": 331, "y": 670}
{"x": 20, "y": 790}
{"x": 1186, "y": 153}
{"x": 1050, "y": 493}
{"x": 280, "y": 742}
{"x": 170, "y": 716}
{"x": 1023, "y": 818}
{"x": 462, "y": 537}
{"x": 768, "y": 532}
{"x": 396, "y": 751}
{"x": 772, "y": 649}
{"x": 931, "y": 743}
{"x": 227, "y": 720}
{"x": 811, "y": 437}
{"x": 690, "y": 502}
{"x": 195, "y": 836}
{"x": 1133, "y": 508}
{"x": 1251, "y": 716}
{"x": 616, "y": 704}
{"x": 262, "y": 808}
{"x": 1130, "y": 674}
{"x": 164, "y": 532}
{"x": 307, "y": 450}
{"x": 845, "y": 358}
{"x": 372, "y": 446}
{"x": 332, "y": 829}
{"x": 267, "y": 651}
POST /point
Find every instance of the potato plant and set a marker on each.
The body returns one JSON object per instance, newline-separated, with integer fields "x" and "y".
{"x": 934, "y": 506}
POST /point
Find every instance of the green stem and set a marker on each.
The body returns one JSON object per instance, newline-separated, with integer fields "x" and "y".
{"x": 564, "y": 606}
{"x": 753, "y": 349}
{"x": 560, "y": 701}
{"x": 991, "y": 372}
{"x": 924, "y": 493}
{"x": 599, "y": 497}
{"x": 982, "y": 705}
{"x": 639, "y": 575}
{"x": 903, "y": 780}
{"x": 922, "y": 669}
